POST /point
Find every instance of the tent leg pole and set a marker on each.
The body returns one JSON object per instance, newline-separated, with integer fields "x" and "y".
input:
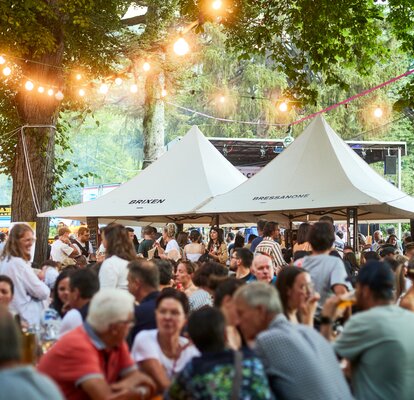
{"x": 352, "y": 226}
{"x": 217, "y": 220}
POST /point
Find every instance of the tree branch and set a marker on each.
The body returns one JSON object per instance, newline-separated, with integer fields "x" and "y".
{"x": 138, "y": 19}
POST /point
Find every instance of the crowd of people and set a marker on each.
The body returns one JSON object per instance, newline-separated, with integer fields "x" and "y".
{"x": 180, "y": 316}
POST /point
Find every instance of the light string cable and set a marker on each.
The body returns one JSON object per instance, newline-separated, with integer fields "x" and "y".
{"x": 310, "y": 116}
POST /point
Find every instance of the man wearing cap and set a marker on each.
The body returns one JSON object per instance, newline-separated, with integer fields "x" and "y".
{"x": 378, "y": 340}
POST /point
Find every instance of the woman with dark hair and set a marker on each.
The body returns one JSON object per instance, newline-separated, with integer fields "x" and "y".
{"x": 194, "y": 250}
{"x": 217, "y": 248}
{"x": 302, "y": 243}
{"x": 60, "y": 292}
{"x": 223, "y": 299}
{"x": 119, "y": 252}
{"x": 202, "y": 296}
{"x": 162, "y": 353}
{"x": 30, "y": 291}
{"x": 6, "y": 290}
{"x": 392, "y": 241}
{"x": 238, "y": 243}
{"x": 184, "y": 277}
{"x": 297, "y": 296}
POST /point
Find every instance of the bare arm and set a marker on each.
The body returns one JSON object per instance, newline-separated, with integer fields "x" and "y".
{"x": 156, "y": 371}
{"x": 96, "y": 389}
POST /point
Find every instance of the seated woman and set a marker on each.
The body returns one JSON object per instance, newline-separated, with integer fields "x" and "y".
{"x": 162, "y": 353}
{"x": 184, "y": 277}
{"x": 60, "y": 293}
{"x": 194, "y": 250}
{"x": 298, "y": 299}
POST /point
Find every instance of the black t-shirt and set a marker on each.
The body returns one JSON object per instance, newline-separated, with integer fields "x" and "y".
{"x": 144, "y": 246}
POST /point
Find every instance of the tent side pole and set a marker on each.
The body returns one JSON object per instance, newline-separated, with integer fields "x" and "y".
{"x": 352, "y": 227}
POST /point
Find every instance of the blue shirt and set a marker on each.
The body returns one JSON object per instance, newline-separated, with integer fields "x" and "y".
{"x": 255, "y": 243}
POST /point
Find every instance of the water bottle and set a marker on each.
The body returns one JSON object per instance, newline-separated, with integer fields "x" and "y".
{"x": 50, "y": 327}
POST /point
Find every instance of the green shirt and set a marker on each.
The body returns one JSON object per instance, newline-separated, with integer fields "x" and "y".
{"x": 380, "y": 344}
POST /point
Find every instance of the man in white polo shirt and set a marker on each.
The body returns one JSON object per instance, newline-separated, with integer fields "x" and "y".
{"x": 62, "y": 247}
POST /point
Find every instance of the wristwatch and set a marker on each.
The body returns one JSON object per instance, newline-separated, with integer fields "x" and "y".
{"x": 324, "y": 320}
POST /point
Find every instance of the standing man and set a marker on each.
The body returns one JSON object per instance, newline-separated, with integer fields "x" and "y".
{"x": 62, "y": 247}
{"x": 83, "y": 245}
{"x": 147, "y": 243}
{"x": 260, "y": 226}
{"x": 376, "y": 238}
{"x": 378, "y": 340}
{"x": 240, "y": 262}
{"x": 299, "y": 363}
{"x": 143, "y": 283}
{"x": 268, "y": 245}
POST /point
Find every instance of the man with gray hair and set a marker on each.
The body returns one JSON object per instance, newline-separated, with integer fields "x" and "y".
{"x": 17, "y": 381}
{"x": 299, "y": 362}
{"x": 93, "y": 360}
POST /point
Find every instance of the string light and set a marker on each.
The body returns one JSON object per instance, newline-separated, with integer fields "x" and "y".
{"x": 50, "y": 92}
{"x": 181, "y": 47}
{"x": 133, "y": 88}
{"x": 378, "y": 112}
{"x": 2, "y": 60}
{"x": 222, "y": 99}
{"x": 78, "y": 77}
{"x": 163, "y": 93}
{"x": 118, "y": 81}
{"x": 29, "y": 85}
{"x": 217, "y": 4}
{"x": 41, "y": 89}
{"x": 146, "y": 66}
{"x": 6, "y": 71}
{"x": 104, "y": 88}
{"x": 81, "y": 92}
{"x": 59, "y": 96}
{"x": 283, "y": 106}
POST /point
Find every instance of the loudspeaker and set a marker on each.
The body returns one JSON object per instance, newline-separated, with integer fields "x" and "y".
{"x": 390, "y": 165}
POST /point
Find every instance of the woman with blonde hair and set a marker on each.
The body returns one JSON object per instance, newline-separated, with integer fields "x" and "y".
{"x": 119, "y": 252}
{"x": 172, "y": 249}
{"x": 29, "y": 290}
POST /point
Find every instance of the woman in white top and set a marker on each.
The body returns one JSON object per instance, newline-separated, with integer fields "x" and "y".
{"x": 119, "y": 252}
{"x": 162, "y": 353}
{"x": 172, "y": 249}
{"x": 29, "y": 290}
{"x": 194, "y": 250}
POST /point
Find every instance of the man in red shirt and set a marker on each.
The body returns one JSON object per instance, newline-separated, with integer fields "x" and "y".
{"x": 93, "y": 361}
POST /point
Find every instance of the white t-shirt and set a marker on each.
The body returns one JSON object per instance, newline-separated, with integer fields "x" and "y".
{"x": 29, "y": 290}
{"x": 146, "y": 347}
{"x": 114, "y": 273}
{"x": 59, "y": 251}
{"x": 172, "y": 245}
{"x": 90, "y": 248}
{"x": 51, "y": 275}
{"x": 70, "y": 321}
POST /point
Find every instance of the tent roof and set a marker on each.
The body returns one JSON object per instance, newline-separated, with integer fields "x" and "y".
{"x": 171, "y": 188}
{"x": 317, "y": 174}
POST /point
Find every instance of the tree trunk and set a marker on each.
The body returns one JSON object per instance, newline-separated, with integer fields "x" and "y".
{"x": 153, "y": 123}
{"x": 36, "y": 109}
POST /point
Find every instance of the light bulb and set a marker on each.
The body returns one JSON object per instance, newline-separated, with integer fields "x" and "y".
{"x": 78, "y": 77}
{"x": 118, "y": 81}
{"x": 81, "y": 92}
{"x": 133, "y": 88}
{"x": 163, "y": 93}
{"x": 50, "y": 92}
{"x": 378, "y": 112}
{"x": 181, "y": 47}
{"x": 217, "y": 4}
{"x": 222, "y": 99}
{"x": 29, "y": 85}
{"x": 146, "y": 66}
{"x": 2, "y": 60}
{"x": 104, "y": 88}
{"x": 59, "y": 96}
{"x": 283, "y": 106}
{"x": 6, "y": 71}
{"x": 41, "y": 89}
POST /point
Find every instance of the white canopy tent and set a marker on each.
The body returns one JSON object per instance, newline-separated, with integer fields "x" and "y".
{"x": 170, "y": 189}
{"x": 317, "y": 174}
